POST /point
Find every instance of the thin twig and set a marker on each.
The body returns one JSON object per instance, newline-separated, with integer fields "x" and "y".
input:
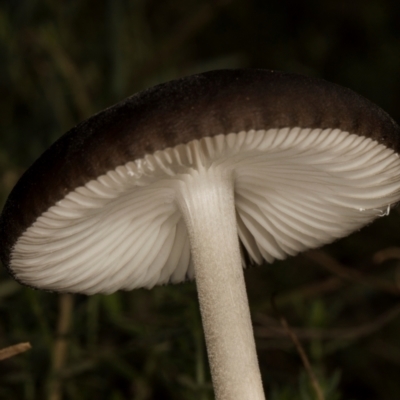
{"x": 271, "y": 329}
{"x": 304, "y": 358}
{"x": 300, "y": 349}
{"x": 386, "y": 350}
{"x": 386, "y": 254}
{"x": 332, "y": 265}
{"x": 309, "y": 290}
{"x": 14, "y": 350}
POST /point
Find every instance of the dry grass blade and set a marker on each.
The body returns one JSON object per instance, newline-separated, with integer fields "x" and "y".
{"x": 48, "y": 40}
{"x": 14, "y": 350}
{"x": 66, "y": 302}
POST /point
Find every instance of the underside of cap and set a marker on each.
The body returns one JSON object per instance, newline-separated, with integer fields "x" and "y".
{"x": 295, "y": 188}
{"x": 178, "y": 112}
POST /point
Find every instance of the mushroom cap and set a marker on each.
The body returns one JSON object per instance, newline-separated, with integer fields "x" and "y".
{"x": 118, "y": 155}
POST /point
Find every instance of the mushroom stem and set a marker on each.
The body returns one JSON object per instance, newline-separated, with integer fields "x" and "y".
{"x": 206, "y": 200}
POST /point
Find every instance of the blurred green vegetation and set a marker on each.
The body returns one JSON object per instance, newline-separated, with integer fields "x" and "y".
{"x": 61, "y": 61}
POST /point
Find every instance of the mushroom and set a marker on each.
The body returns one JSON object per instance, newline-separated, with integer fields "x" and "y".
{"x": 181, "y": 181}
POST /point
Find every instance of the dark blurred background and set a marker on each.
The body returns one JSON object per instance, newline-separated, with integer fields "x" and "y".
{"x": 63, "y": 60}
